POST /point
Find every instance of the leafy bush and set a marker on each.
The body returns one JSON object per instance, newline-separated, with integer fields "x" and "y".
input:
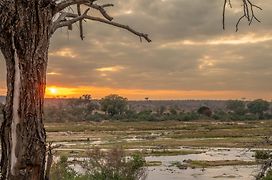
{"x": 236, "y": 106}
{"x": 220, "y": 115}
{"x": 99, "y": 165}
{"x": 204, "y": 110}
{"x": 145, "y": 115}
{"x": 114, "y": 165}
{"x": 62, "y": 171}
{"x": 262, "y": 154}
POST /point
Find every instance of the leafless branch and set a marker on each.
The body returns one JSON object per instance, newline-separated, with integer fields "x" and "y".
{"x": 67, "y": 3}
{"x": 265, "y": 167}
{"x": 102, "y": 10}
{"x": 80, "y": 22}
{"x": 248, "y": 12}
{"x": 67, "y": 19}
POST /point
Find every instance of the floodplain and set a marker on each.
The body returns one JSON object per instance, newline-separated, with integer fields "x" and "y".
{"x": 172, "y": 149}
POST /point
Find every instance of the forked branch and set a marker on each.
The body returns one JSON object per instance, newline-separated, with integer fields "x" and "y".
{"x": 68, "y": 18}
{"x": 248, "y": 12}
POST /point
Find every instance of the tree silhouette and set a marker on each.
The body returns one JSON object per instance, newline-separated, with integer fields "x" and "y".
{"x": 248, "y": 9}
{"x": 26, "y": 27}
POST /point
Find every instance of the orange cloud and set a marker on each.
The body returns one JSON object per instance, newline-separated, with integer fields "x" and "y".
{"x": 110, "y": 69}
{"x": 64, "y": 52}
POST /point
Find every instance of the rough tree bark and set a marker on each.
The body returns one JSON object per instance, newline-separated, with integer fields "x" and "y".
{"x": 25, "y": 30}
{"x": 25, "y": 49}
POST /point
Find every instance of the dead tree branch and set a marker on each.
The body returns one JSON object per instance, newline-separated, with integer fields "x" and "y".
{"x": 67, "y": 3}
{"x": 50, "y": 155}
{"x": 67, "y": 18}
{"x": 80, "y": 22}
{"x": 248, "y": 12}
{"x": 265, "y": 168}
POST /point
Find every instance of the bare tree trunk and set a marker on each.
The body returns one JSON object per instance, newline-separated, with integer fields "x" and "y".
{"x": 23, "y": 136}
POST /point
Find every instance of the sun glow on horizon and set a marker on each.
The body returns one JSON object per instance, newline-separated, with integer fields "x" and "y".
{"x": 54, "y": 91}
{"x": 140, "y": 94}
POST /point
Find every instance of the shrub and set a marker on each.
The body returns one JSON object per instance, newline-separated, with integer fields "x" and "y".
{"x": 62, "y": 171}
{"x": 114, "y": 165}
{"x": 99, "y": 165}
{"x": 262, "y": 154}
{"x": 204, "y": 110}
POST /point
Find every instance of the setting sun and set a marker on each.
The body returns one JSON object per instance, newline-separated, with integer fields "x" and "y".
{"x": 53, "y": 91}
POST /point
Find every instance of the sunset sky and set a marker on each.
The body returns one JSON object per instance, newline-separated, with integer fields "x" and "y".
{"x": 191, "y": 57}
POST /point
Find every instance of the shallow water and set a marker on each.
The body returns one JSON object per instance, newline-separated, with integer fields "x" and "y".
{"x": 224, "y": 172}
{"x": 209, "y": 154}
{"x": 164, "y": 172}
{"x": 167, "y": 172}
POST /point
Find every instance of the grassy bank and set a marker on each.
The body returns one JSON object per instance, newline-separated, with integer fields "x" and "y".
{"x": 166, "y": 135}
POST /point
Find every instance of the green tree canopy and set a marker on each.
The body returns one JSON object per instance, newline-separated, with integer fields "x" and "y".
{"x": 114, "y": 104}
{"x": 258, "y": 106}
{"x": 237, "y": 106}
{"x": 204, "y": 110}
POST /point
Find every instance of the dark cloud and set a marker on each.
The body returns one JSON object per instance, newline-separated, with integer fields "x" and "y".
{"x": 210, "y": 61}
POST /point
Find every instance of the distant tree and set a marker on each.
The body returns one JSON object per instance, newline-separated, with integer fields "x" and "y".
{"x": 145, "y": 115}
{"x": 86, "y": 97}
{"x": 258, "y": 107}
{"x": 161, "y": 110}
{"x": 83, "y": 106}
{"x": 114, "y": 104}
{"x": 173, "y": 111}
{"x": 204, "y": 110}
{"x": 237, "y": 106}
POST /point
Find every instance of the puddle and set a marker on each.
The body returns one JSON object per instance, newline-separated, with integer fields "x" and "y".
{"x": 220, "y": 173}
{"x": 164, "y": 172}
{"x": 167, "y": 172}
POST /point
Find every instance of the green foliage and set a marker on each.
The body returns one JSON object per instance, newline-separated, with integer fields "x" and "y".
{"x": 161, "y": 110}
{"x": 173, "y": 111}
{"x": 268, "y": 176}
{"x": 258, "y": 107}
{"x": 262, "y": 154}
{"x": 114, "y": 165}
{"x": 62, "y": 171}
{"x": 80, "y": 109}
{"x": 146, "y": 115}
{"x": 84, "y": 106}
{"x": 220, "y": 115}
{"x": 114, "y": 104}
{"x": 189, "y": 116}
{"x": 131, "y": 114}
{"x": 237, "y": 106}
{"x": 204, "y": 110}
{"x": 99, "y": 165}
{"x": 116, "y": 108}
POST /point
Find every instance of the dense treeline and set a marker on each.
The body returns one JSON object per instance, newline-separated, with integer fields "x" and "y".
{"x": 115, "y": 107}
